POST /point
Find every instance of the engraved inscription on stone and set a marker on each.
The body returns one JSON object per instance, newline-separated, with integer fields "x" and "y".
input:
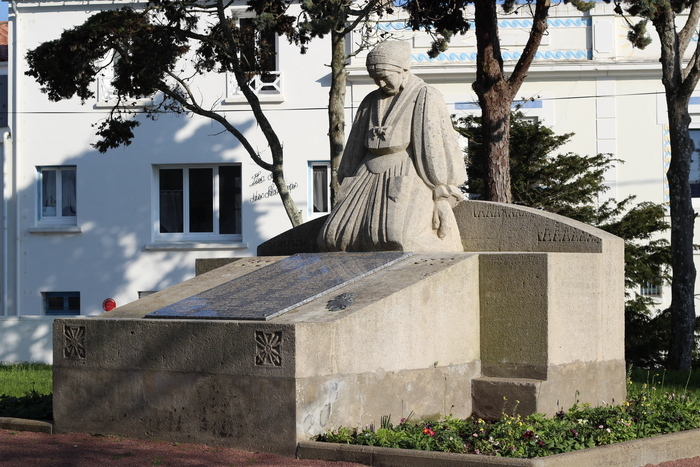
{"x": 74, "y": 342}
{"x": 268, "y": 348}
{"x": 341, "y": 302}
{"x": 279, "y": 287}
{"x": 565, "y": 234}
{"x": 501, "y": 213}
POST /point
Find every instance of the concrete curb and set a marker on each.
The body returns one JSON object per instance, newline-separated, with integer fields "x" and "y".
{"x": 637, "y": 453}
{"x": 21, "y": 424}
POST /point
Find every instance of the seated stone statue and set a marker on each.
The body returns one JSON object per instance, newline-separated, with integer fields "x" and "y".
{"x": 401, "y": 166}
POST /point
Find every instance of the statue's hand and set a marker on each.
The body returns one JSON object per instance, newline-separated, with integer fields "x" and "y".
{"x": 441, "y": 212}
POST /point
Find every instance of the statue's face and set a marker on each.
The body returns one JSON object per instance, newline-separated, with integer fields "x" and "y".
{"x": 389, "y": 81}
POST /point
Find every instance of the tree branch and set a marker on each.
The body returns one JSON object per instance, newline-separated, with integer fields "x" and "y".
{"x": 192, "y": 105}
{"x": 539, "y": 26}
{"x": 251, "y": 97}
{"x": 690, "y": 27}
{"x": 364, "y": 13}
{"x": 691, "y": 73}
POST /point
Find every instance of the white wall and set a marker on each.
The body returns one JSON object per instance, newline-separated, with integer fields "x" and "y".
{"x": 26, "y": 339}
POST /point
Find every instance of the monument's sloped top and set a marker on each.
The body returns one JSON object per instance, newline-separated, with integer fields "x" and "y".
{"x": 483, "y": 226}
{"x": 489, "y": 226}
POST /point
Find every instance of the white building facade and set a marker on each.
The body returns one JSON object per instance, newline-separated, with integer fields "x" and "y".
{"x": 83, "y": 231}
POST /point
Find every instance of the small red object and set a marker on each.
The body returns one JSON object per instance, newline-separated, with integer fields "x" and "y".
{"x": 109, "y": 304}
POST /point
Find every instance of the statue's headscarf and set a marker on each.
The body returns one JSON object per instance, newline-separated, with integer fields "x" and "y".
{"x": 396, "y": 53}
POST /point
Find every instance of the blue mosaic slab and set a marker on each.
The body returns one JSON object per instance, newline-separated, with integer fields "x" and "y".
{"x": 280, "y": 287}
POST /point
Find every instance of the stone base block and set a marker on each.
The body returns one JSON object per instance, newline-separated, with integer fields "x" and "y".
{"x": 597, "y": 383}
{"x": 495, "y": 396}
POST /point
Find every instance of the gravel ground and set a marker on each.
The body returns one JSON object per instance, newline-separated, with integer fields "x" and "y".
{"x": 27, "y": 449}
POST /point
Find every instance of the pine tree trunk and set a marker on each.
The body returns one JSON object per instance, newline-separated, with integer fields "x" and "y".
{"x": 336, "y": 108}
{"x": 495, "y": 120}
{"x": 495, "y": 99}
{"x": 678, "y": 90}
{"x": 682, "y": 226}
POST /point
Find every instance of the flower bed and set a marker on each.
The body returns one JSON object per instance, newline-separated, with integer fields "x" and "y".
{"x": 647, "y": 412}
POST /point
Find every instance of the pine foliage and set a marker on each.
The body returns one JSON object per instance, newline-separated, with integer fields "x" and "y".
{"x": 572, "y": 185}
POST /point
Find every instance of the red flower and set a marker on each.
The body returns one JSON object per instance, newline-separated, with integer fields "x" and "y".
{"x": 428, "y": 432}
{"x": 528, "y": 434}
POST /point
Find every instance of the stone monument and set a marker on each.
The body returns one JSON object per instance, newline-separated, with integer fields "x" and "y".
{"x": 479, "y": 308}
{"x": 401, "y": 166}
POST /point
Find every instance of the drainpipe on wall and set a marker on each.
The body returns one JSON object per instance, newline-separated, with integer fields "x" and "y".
{"x": 7, "y": 195}
{"x": 13, "y": 127}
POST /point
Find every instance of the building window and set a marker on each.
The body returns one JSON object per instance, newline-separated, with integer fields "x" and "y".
{"x": 695, "y": 165}
{"x": 57, "y": 195}
{"x": 199, "y": 203}
{"x": 259, "y": 61}
{"x": 62, "y": 303}
{"x": 649, "y": 289}
{"x": 3, "y": 100}
{"x": 319, "y": 188}
{"x": 259, "y": 54}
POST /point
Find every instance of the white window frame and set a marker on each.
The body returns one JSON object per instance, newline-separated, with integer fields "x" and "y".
{"x": 200, "y": 237}
{"x": 59, "y": 218}
{"x": 311, "y": 188}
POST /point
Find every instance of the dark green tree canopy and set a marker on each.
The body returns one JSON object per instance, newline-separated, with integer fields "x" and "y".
{"x": 67, "y": 66}
{"x": 146, "y": 47}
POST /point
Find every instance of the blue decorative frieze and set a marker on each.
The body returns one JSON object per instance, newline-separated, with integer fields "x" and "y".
{"x": 445, "y": 57}
{"x": 569, "y": 22}
{"x": 559, "y": 55}
{"x": 471, "y": 57}
{"x": 503, "y": 24}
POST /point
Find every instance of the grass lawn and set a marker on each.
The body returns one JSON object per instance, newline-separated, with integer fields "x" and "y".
{"x": 17, "y": 380}
{"x": 26, "y": 391}
{"x": 666, "y": 381}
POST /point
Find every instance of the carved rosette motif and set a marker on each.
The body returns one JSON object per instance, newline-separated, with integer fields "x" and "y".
{"x": 268, "y": 348}
{"x": 74, "y": 342}
{"x": 341, "y": 302}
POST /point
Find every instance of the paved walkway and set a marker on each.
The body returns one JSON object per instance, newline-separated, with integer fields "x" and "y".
{"x": 29, "y": 449}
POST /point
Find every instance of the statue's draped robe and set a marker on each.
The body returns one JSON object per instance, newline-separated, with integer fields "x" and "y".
{"x": 402, "y": 157}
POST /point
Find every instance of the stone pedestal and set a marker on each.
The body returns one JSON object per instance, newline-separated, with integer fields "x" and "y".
{"x": 408, "y": 342}
{"x": 532, "y": 312}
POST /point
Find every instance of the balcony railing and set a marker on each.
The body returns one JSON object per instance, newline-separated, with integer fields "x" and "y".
{"x": 268, "y": 83}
